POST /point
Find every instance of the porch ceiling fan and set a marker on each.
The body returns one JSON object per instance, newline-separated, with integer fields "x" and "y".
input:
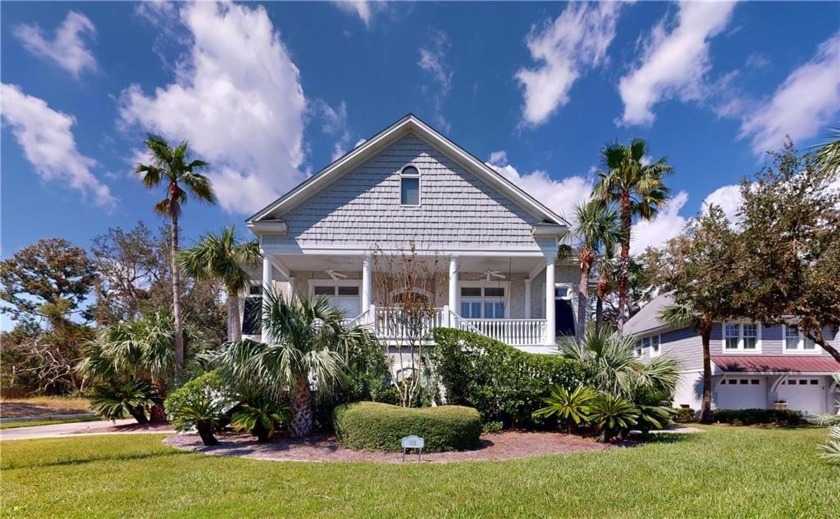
{"x": 335, "y": 275}
{"x": 493, "y": 274}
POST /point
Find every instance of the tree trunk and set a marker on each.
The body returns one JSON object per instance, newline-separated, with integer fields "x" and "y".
{"x": 157, "y": 414}
{"x": 234, "y": 321}
{"x": 819, "y": 340}
{"x": 599, "y": 314}
{"x": 301, "y": 408}
{"x": 176, "y": 298}
{"x": 205, "y": 431}
{"x": 139, "y": 414}
{"x": 624, "y": 259}
{"x": 706, "y": 406}
{"x": 583, "y": 293}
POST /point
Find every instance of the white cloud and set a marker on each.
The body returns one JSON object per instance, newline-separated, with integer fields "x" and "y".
{"x": 807, "y": 101}
{"x": 237, "y": 99}
{"x": 433, "y": 62}
{"x": 728, "y": 198}
{"x": 46, "y": 137}
{"x": 674, "y": 63}
{"x": 665, "y": 225}
{"x": 565, "y": 48}
{"x": 560, "y": 196}
{"x": 364, "y": 9}
{"x": 68, "y": 50}
{"x": 334, "y": 122}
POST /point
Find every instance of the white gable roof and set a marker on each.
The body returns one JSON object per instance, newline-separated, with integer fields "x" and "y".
{"x": 406, "y": 125}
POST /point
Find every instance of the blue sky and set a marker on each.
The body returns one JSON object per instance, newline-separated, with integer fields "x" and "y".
{"x": 272, "y": 93}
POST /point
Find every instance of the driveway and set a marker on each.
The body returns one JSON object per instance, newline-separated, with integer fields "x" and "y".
{"x": 63, "y": 430}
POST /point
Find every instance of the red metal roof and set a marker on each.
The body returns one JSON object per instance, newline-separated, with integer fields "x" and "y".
{"x": 775, "y": 364}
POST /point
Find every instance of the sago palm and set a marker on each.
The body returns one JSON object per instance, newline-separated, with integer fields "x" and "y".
{"x": 636, "y": 186}
{"x": 222, "y": 258}
{"x": 598, "y": 233}
{"x": 306, "y": 350}
{"x": 681, "y": 316}
{"x": 569, "y": 406}
{"x": 172, "y": 168}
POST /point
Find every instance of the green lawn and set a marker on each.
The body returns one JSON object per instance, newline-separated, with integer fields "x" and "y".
{"x": 725, "y": 472}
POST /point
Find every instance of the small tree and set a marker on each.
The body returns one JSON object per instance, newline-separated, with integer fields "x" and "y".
{"x": 704, "y": 284}
{"x": 222, "y": 258}
{"x": 790, "y": 242}
{"x": 405, "y": 289}
{"x": 598, "y": 234}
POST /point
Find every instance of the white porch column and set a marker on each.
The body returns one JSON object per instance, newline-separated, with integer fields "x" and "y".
{"x": 528, "y": 298}
{"x": 453, "y": 285}
{"x": 367, "y": 293}
{"x": 267, "y": 288}
{"x": 549, "y": 301}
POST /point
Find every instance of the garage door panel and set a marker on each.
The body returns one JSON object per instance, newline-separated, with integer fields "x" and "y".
{"x": 742, "y": 393}
{"x": 804, "y": 393}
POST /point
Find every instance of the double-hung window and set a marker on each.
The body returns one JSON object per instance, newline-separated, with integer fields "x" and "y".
{"x": 483, "y": 302}
{"x": 654, "y": 343}
{"x": 796, "y": 342}
{"x": 741, "y": 337}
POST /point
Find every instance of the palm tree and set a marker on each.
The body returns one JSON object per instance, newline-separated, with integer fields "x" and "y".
{"x": 170, "y": 166}
{"x": 222, "y": 258}
{"x": 636, "y": 186}
{"x": 308, "y": 350}
{"x": 597, "y": 229}
{"x": 683, "y": 316}
{"x": 827, "y": 154}
{"x": 611, "y": 365}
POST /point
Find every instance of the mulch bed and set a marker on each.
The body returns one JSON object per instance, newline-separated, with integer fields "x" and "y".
{"x": 324, "y": 448}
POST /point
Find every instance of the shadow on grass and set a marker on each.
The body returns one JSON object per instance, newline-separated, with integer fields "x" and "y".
{"x": 81, "y": 460}
{"x": 667, "y": 438}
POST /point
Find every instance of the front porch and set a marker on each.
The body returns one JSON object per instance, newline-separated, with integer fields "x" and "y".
{"x": 514, "y": 299}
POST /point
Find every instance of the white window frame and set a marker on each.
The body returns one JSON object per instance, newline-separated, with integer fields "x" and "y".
{"x": 647, "y": 342}
{"x": 418, "y": 176}
{"x": 639, "y": 349}
{"x": 335, "y": 284}
{"x": 740, "y": 349}
{"x": 485, "y": 284}
{"x": 800, "y": 345}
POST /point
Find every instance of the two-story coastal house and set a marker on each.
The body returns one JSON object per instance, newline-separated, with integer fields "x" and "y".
{"x": 409, "y": 186}
{"x": 753, "y": 365}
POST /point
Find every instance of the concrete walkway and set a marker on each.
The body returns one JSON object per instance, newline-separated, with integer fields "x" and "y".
{"x": 64, "y": 430}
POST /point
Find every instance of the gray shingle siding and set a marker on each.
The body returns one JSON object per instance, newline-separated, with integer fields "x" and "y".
{"x": 362, "y": 208}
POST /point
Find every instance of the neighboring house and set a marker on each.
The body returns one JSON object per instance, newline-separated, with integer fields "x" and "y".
{"x": 410, "y": 185}
{"x": 753, "y": 365}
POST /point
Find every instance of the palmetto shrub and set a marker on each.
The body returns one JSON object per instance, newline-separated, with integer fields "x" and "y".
{"x": 612, "y": 414}
{"x": 118, "y": 400}
{"x": 378, "y": 426}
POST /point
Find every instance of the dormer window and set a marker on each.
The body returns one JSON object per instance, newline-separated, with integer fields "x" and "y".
{"x": 410, "y": 186}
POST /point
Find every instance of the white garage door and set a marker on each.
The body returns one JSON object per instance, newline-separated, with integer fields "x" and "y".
{"x": 804, "y": 393}
{"x": 742, "y": 393}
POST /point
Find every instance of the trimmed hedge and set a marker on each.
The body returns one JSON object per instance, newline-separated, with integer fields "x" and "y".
{"x": 503, "y": 383}
{"x": 758, "y": 416}
{"x": 377, "y": 426}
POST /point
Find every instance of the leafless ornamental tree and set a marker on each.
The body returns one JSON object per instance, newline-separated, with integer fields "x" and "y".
{"x": 407, "y": 283}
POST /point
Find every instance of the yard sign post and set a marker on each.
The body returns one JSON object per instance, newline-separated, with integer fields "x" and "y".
{"x": 413, "y": 442}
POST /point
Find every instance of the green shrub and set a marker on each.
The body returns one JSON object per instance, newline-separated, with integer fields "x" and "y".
{"x": 378, "y": 426}
{"x": 261, "y": 417}
{"x": 612, "y": 414}
{"x": 503, "y": 383}
{"x": 569, "y": 406}
{"x": 199, "y": 403}
{"x": 685, "y": 415}
{"x": 492, "y": 427}
{"x": 758, "y": 416}
{"x": 115, "y": 400}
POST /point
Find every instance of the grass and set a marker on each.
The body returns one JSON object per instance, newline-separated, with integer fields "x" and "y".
{"x": 725, "y": 472}
{"x": 47, "y": 421}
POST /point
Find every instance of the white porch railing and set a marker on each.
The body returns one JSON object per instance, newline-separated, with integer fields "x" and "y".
{"x": 515, "y": 332}
{"x": 393, "y": 325}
